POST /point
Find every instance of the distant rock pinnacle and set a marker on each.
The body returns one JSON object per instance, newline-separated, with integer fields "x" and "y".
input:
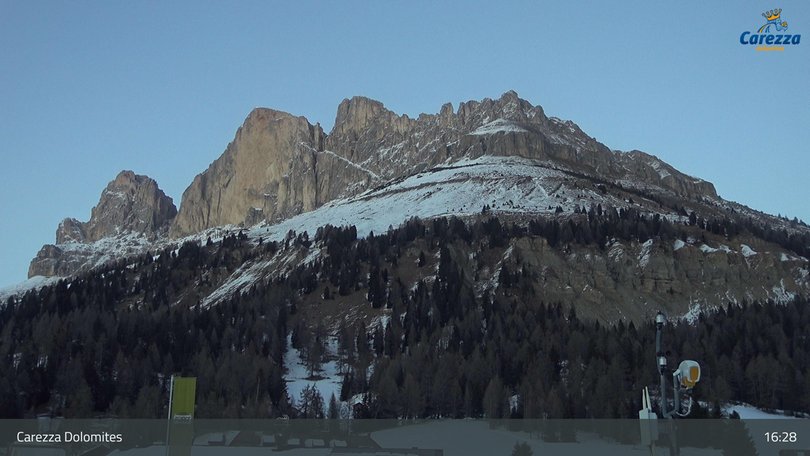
{"x": 131, "y": 203}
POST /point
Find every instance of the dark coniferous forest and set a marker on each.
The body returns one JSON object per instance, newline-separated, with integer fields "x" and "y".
{"x": 105, "y": 344}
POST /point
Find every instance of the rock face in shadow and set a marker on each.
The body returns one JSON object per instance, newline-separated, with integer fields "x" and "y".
{"x": 131, "y": 205}
{"x": 279, "y": 165}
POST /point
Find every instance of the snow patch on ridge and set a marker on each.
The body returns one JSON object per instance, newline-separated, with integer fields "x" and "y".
{"x": 781, "y": 295}
{"x": 691, "y": 316}
{"x": 498, "y": 126}
{"x": 659, "y": 168}
{"x": 507, "y": 184}
{"x": 239, "y": 281}
{"x": 644, "y": 255}
{"x": 351, "y": 163}
{"x": 721, "y": 248}
{"x": 706, "y": 249}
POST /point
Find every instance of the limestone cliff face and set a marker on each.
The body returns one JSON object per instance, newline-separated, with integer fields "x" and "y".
{"x": 280, "y": 165}
{"x": 267, "y": 172}
{"x": 131, "y": 204}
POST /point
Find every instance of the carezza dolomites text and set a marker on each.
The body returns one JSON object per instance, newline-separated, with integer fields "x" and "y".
{"x": 67, "y": 437}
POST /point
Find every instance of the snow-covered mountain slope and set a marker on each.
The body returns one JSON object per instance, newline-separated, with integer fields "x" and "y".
{"x": 516, "y": 189}
{"x": 508, "y": 185}
{"x": 34, "y": 283}
{"x": 646, "y": 274}
{"x": 377, "y": 168}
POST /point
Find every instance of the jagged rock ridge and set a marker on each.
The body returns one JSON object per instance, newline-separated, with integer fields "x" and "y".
{"x": 376, "y": 169}
{"x": 279, "y": 165}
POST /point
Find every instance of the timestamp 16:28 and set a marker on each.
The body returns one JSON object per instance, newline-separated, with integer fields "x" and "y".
{"x": 781, "y": 437}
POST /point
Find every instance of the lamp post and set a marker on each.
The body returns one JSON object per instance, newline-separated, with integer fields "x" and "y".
{"x": 661, "y": 359}
{"x": 683, "y": 379}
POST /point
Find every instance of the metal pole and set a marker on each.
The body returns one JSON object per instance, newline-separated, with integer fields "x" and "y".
{"x": 664, "y": 413}
{"x": 169, "y": 418}
{"x": 661, "y": 361}
{"x": 676, "y": 394}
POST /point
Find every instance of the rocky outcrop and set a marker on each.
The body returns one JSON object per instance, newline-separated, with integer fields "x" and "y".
{"x": 279, "y": 165}
{"x": 48, "y": 262}
{"x": 267, "y": 172}
{"x": 631, "y": 280}
{"x": 130, "y": 205}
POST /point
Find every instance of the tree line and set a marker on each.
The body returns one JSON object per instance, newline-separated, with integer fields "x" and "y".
{"x": 106, "y": 343}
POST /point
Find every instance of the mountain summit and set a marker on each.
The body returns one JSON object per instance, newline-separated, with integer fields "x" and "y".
{"x": 131, "y": 204}
{"x": 267, "y": 172}
{"x": 279, "y": 165}
{"x": 623, "y": 230}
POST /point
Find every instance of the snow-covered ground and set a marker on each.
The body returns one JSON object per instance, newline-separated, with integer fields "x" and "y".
{"x": 507, "y": 184}
{"x": 749, "y": 412}
{"x": 475, "y": 437}
{"x": 34, "y": 283}
{"x": 455, "y": 438}
{"x": 297, "y": 375}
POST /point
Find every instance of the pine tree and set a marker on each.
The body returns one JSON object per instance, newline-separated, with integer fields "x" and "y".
{"x": 494, "y": 399}
{"x": 413, "y": 399}
{"x": 311, "y": 403}
{"x": 334, "y": 409}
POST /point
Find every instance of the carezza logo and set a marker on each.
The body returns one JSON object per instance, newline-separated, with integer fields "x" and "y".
{"x": 772, "y": 35}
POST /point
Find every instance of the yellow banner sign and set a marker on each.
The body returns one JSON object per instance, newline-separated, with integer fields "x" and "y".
{"x": 183, "y": 397}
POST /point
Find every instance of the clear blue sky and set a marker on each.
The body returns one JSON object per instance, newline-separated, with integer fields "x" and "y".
{"x": 90, "y": 88}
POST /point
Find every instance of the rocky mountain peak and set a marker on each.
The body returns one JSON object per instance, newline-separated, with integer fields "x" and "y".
{"x": 70, "y": 230}
{"x": 130, "y": 203}
{"x": 280, "y": 165}
{"x": 358, "y": 114}
{"x": 509, "y": 106}
{"x": 266, "y": 172}
{"x": 261, "y": 118}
